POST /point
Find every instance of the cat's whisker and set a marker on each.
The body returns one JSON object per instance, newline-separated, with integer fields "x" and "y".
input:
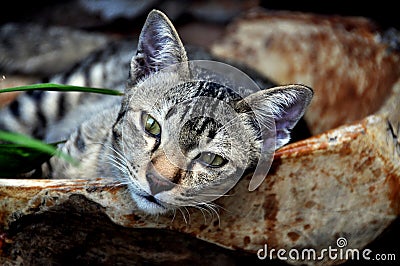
{"x": 121, "y": 163}
{"x": 125, "y": 178}
{"x": 183, "y": 215}
{"x": 118, "y": 163}
{"x": 173, "y": 217}
{"x": 124, "y": 183}
{"x": 202, "y": 212}
{"x": 213, "y": 208}
{"x": 214, "y": 195}
{"x": 120, "y": 159}
{"x": 220, "y": 207}
{"x": 113, "y": 160}
{"x": 187, "y": 211}
{"x": 119, "y": 154}
{"x": 196, "y": 206}
{"x": 202, "y": 209}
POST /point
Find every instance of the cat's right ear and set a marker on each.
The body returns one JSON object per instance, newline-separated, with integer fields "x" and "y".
{"x": 159, "y": 46}
{"x": 285, "y": 104}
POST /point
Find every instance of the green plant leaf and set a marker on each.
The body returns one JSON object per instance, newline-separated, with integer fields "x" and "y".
{"x": 22, "y": 154}
{"x": 61, "y": 87}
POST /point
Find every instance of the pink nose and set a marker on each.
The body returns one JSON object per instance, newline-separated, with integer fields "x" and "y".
{"x": 158, "y": 183}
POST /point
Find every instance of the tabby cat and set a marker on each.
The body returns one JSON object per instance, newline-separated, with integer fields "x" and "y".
{"x": 174, "y": 140}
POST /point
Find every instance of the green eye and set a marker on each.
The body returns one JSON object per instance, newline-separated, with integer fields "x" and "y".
{"x": 212, "y": 159}
{"x": 151, "y": 125}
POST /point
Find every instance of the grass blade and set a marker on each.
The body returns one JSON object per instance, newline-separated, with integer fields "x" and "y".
{"x": 61, "y": 87}
{"x": 22, "y": 154}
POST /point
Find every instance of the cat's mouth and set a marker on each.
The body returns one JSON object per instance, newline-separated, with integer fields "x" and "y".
{"x": 150, "y": 204}
{"x": 152, "y": 199}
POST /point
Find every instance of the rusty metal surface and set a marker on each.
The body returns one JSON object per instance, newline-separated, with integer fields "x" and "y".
{"x": 343, "y": 183}
{"x": 346, "y": 60}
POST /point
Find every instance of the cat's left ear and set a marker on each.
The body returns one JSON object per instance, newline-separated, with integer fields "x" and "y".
{"x": 287, "y": 104}
{"x": 159, "y": 46}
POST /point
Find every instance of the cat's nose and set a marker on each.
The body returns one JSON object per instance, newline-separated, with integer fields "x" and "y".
{"x": 158, "y": 184}
{"x": 165, "y": 168}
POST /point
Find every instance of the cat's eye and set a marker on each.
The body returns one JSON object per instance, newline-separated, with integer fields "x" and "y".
{"x": 151, "y": 126}
{"x": 212, "y": 159}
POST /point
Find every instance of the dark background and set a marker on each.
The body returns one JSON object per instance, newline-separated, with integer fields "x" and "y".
{"x": 384, "y": 12}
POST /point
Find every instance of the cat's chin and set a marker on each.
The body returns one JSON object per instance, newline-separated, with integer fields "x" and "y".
{"x": 149, "y": 204}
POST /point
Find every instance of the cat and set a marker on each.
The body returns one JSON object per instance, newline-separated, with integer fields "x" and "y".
{"x": 168, "y": 147}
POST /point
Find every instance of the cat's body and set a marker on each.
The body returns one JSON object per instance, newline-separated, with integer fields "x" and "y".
{"x": 169, "y": 147}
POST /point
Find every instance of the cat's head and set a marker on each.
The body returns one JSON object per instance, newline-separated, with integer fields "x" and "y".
{"x": 180, "y": 142}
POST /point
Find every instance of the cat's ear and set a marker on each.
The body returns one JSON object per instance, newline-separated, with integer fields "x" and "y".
{"x": 159, "y": 46}
{"x": 287, "y": 104}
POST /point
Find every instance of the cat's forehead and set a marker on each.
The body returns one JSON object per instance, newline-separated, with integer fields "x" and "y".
{"x": 171, "y": 91}
{"x": 190, "y": 81}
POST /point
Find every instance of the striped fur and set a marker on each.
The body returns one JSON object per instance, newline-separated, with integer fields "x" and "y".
{"x": 34, "y": 112}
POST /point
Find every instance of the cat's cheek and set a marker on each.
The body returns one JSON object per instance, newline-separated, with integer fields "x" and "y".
{"x": 198, "y": 168}
{"x": 141, "y": 180}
